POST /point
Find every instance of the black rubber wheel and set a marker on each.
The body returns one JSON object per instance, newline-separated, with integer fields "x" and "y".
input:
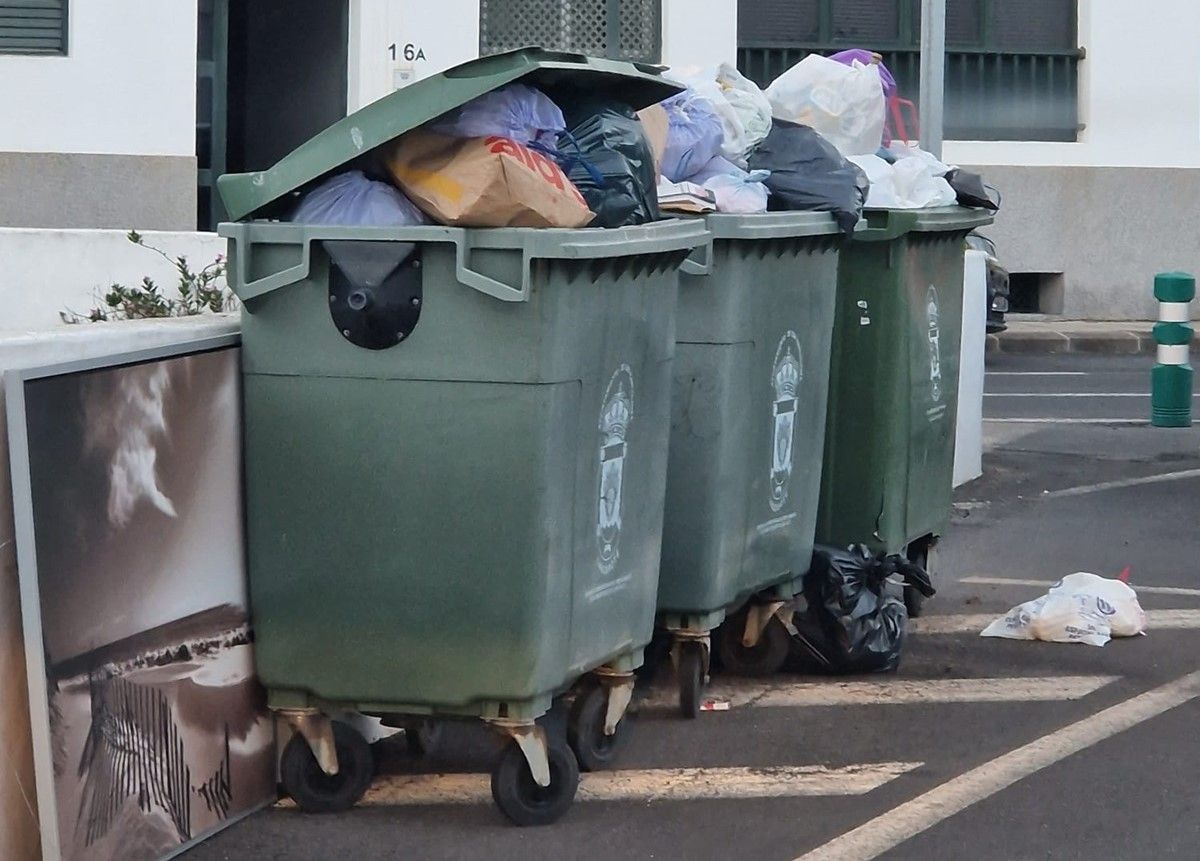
{"x": 691, "y": 678}
{"x": 314, "y": 790}
{"x": 763, "y": 659}
{"x": 918, "y": 553}
{"x": 585, "y": 729}
{"x": 521, "y": 799}
{"x": 422, "y": 737}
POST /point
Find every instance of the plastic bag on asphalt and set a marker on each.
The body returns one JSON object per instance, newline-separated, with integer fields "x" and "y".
{"x": 608, "y": 157}
{"x": 517, "y": 112}
{"x": 351, "y": 199}
{"x": 1080, "y": 608}
{"x": 853, "y": 622}
{"x": 843, "y": 103}
{"x": 808, "y": 172}
{"x": 695, "y": 133}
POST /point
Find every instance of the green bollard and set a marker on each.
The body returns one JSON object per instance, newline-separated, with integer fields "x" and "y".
{"x": 1171, "y": 380}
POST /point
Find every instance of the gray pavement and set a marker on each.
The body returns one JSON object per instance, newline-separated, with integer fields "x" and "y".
{"x": 1128, "y": 796}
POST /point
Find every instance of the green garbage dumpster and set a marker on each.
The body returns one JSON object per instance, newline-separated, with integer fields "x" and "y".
{"x": 747, "y": 430}
{"x": 455, "y": 449}
{"x": 893, "y": 392}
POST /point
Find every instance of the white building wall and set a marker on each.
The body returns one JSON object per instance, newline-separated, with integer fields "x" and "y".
{"x": 1139, "y": 93}
{"x": 127, "y": 86}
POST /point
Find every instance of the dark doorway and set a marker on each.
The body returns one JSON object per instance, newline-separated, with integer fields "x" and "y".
{"x": 277, "y": 75}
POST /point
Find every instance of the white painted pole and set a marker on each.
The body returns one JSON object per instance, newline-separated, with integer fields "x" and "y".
{"x": 933, "y": 73}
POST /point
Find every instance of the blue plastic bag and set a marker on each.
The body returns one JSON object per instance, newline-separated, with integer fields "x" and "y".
{"x": 352, "y": 200}
{"x": 518, "y": 112}
{"x": 694, "y": 135}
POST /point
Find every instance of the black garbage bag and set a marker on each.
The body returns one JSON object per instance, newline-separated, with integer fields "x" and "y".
{"x": 606, "y": 154}
{"x": 853, "y": 623}
{"x": 808, "y": 172}
{"x": 972, "y": 190}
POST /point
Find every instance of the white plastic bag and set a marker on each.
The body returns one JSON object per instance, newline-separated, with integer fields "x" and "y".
{"x": 1080, "y": 608}
{"x": 751, "y": 106}
{"x": 743, "y": 194}
{"x": 910, "y": 183}
{"x": 351, "y": 199}
{"x": 843, "y": 103}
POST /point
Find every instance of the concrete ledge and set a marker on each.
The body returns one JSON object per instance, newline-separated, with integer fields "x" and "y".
{"x": 1048, "y": 337}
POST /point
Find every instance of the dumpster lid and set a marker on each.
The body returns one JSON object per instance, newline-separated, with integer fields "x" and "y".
{"x": 558, "y": 74}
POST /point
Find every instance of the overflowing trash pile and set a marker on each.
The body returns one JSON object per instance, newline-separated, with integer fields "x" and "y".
{"x": 818, "y": 138}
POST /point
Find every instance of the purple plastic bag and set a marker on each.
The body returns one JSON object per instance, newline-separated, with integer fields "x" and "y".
{"x": 847, "y": 58}
{"x": 694, "y": 135}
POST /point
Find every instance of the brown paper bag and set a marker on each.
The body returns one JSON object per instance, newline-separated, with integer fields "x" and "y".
{"x": 485, "y": 182}
{"x": 654, "y": 121}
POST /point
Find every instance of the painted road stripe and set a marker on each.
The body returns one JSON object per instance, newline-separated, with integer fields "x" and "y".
{"x": 1124, "y": 482}
{"x": 1071, "y": 395}
{"x": 654, "y": 784}
{"x": 1160, "y": 620}
{"x": 1049, "y": 420}
{"x": 890, "y": 829}
{"x": 1149, "y": 590}
{"x": 747, "y": 692}
{"x": 1041, "y": 373}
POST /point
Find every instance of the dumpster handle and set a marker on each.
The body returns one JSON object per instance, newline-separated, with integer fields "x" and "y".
{"x": 701, "y": 266}
{"x": 253, "y": 289}
{"x": 894, "y": 224}
{"x": 485, "y": 284}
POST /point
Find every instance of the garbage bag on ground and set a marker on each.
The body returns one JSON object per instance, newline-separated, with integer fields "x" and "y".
{"x": 909, "y": 183}
{"x": 972, "y": 190}
{"x": 517, "y": 111}
{"x": 853, "y": 622}
{"x": 843, "y": 103}
{"x": 808, "y": 172}
{"x": 608, "y": 157}
{"x": 351, "y": 199}
{"x": 485, "y": 182}
{"x": 1079, "y": 608}
{"x": 695, "y": 133}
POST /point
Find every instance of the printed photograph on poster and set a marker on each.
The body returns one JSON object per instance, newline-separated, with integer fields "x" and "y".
{"x": 151, "y": 730}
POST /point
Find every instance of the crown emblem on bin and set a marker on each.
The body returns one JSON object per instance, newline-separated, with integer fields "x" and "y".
{"x": 935, "y": 347}
{"x": 786, "y": 375}
{"x": 616, "y": 414}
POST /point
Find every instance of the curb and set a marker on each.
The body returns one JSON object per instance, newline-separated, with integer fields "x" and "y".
{"x": 1053, "y": 343}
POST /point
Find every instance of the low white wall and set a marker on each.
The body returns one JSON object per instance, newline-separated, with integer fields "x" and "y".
{"x": 968, "y": 437}
{"x": 19, "y": 838}
{"x": 48, "y": 271}
{"x": 699, "y": 32}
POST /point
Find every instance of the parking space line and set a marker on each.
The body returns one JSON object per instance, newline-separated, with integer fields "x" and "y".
{"x": 1124, "y": 482}
{"x": 1051, "y": 420}
{"x": 1149, "y": 590}
{"x": 890, "y": 829}
{"x": 651, "y": 784}
{"x": 966, "y": 623}
{"x": 1071, "y": 395}
{"x": 749, "y": 692}
{"x": 1041, "y": 373}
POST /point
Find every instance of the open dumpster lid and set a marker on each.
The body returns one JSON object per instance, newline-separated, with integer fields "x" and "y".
{"x": 561, "y": 76}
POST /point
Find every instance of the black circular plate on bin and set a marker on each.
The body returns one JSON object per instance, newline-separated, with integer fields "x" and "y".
{"x": 375, "y": 294}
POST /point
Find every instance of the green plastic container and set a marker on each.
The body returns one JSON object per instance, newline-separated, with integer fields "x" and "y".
{"x": 893, "y": 396}
{"x": 455, "y": 446}
{"x": 747, "y": 432}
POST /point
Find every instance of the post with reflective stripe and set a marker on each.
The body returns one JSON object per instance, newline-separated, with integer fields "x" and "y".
{"x": 1171, "y": 380}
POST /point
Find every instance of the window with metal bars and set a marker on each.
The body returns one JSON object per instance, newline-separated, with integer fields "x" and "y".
{"x": 618, "y": 29}
{"x": 33, "y": 27}
{"x": 1011, "y": 65}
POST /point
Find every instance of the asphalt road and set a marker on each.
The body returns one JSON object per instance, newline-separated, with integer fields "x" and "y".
{"x": 977, "y": 748}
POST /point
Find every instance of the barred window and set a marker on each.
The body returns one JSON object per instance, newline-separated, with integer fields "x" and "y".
{"x": 618, "y": 29}
{"x": 33, "y": 27}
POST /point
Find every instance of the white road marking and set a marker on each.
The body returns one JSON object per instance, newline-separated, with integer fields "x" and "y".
{"x": 1149, "y": 590}
{"x": 1161, "y": 620}
{"x": 1123, "y": 482}
{"x": 1071, "y": 395}
{"x": 1048, "y": 420}
{"x": 653, "y": 784}
{"x": 890, "y": 829}
{"x": 1040, "y": 373}
{"x": 748, "y": 692}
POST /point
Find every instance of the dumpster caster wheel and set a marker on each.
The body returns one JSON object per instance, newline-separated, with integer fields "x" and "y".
{"x": 926, "y": 556}
{"x": 764, "y": 658}
{"x": 594, "y": 750}
{"x": 691, "y": 678}
{"x": 422, "y": 737}
{"x": 314, "y": 790}
{"x": 520, "y": 798}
